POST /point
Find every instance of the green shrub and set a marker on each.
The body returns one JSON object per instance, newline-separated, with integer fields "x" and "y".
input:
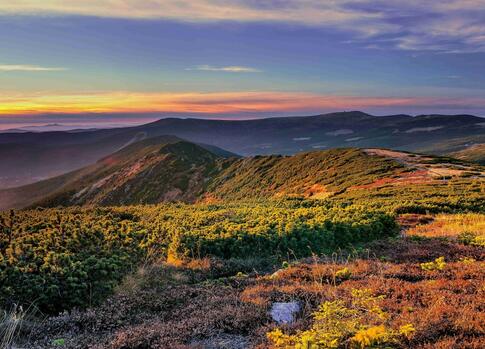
{"x": 74, "y": 257}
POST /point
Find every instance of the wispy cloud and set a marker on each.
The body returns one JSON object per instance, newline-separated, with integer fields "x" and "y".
{"x": 27, "y": 68}
{"x": 450, "y": 26}
{"x": 228, "y": 69}
{"x": 301, "y": 11}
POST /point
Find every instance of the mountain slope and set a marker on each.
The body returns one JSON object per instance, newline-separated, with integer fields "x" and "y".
{"x": 37, "y": 156}
{"x": 153, "y": 171}
{"x": 163, "y": 161}
{"x": 474, "y": 153}
{"x": 29, "y": 157}
{"x": 311, "y": 174}
{"x": 167, "y": 169}
{"x": 149, "y": 171}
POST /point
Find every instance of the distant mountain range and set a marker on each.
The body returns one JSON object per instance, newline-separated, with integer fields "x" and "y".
{"x": 169, "y": 169}
{"x": 31, "y": 156}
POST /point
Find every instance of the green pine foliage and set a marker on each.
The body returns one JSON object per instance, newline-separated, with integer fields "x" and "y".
{"x": 73, "y": 257}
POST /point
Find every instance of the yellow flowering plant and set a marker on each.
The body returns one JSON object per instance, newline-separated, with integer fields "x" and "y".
{"x": 361, "y": 324}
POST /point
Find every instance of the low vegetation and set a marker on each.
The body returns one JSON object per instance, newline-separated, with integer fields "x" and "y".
{"x": 64, "y": 258}
{"x": 468, "y": 229}
{"x": 440, "y": 196}
{"x": 377, "y": 256}
{"x": 360, "y": 324}
{"x": 386, "y": 299}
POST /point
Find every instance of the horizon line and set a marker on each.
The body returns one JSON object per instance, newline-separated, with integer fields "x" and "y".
{"x": 112, "y": 120}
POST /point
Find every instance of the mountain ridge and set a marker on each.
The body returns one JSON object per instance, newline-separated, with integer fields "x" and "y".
{"x": 170, "y": 169}
{"x": 42, "y": 155}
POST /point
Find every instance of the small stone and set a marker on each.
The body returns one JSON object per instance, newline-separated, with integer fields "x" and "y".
{"x": 284, "y": 312}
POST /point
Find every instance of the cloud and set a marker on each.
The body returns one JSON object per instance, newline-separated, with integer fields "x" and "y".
{"x": 229, "y": 69}
{"x": 298, "y": 11}
{"x": 451, "y": 26}
{"x": 25, "y": 68}
{"x": 217, "y": 103}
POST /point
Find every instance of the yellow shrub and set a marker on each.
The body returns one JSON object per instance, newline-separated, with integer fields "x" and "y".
{"x": 468, "y": 260}
{"x": 361, "y": 324}
{"x": 343, "y": 274}
{"x": 371, "y": 336}
{"x": 470, "y": 238}
{"x": 407, "y": 330}
{"x": 438, "y": 264}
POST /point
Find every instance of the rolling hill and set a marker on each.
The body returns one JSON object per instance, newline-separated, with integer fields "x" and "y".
{"x": 169, "y": 169}
{"x": 137, "y": 173}
{"x": 475, "y": 153}
{"x": 32, "y": 156}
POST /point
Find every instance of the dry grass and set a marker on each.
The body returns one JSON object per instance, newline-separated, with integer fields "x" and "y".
{"x": 10, "y": 325}
{"x": 451, "y": 225}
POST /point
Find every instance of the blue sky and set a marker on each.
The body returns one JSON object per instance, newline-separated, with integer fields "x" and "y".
{"x": 238, "y": 59}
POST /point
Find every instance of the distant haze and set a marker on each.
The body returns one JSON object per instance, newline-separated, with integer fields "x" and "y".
{"x": 64, "y": 122}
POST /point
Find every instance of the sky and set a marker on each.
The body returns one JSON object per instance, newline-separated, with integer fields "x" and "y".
{"x": 116, "y": 62}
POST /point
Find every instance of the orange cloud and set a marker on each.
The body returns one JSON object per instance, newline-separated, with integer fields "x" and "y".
{"x": 210, "y": 103}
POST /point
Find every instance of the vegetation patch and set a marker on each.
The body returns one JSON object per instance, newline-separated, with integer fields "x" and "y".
{"x": 360, "y": 324}
{"x": 65, "y": 258}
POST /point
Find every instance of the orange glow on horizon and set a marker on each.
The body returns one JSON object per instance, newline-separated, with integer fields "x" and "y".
{"x": 196, "y": 102}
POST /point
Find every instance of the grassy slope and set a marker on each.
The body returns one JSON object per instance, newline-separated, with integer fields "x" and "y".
{"x": 474, "y": 153}
{"x": 312, "y": 173}
{"x": 151, "y": 171}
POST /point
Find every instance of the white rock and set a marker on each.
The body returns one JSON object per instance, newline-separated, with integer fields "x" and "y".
{"x": 284, "y": 312}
